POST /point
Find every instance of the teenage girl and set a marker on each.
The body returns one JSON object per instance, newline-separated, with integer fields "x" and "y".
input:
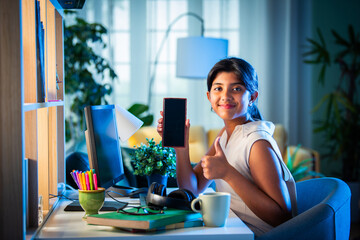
{"x": 244, "y": 160}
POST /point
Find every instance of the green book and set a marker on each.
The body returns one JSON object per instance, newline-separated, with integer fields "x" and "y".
{"x": 186, "y": 224}
{"x": 157, "y": 221}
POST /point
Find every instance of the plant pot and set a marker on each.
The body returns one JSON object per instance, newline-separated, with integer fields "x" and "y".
{"x": 162, "y": 179}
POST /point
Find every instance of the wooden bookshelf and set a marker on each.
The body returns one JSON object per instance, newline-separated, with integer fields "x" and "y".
{"x": 30, "y": 129}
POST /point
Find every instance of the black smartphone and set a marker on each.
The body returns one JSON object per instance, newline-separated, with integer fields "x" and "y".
{"x": 174, "y": 110}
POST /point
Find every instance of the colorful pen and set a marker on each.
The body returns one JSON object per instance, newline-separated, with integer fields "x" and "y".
{"x": 95, "y": 181}
{"x": 87, "y": 181}
{"x": 76, "y": 179}
{"x": 83, "y": 180}
{"x": 80, "y": 181}
{"x": 91, "y": 180}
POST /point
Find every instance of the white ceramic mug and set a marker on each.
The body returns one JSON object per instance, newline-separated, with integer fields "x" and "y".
{"x": 214, "y": 208}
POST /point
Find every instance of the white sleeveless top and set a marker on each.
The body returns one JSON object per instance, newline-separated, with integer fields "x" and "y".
{"x": 237, "y": 152}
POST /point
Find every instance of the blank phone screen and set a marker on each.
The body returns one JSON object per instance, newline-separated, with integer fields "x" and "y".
{"x": 174, "y": 122}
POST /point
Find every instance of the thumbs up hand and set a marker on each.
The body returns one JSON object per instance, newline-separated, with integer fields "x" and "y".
{"x": 216, "y": 166}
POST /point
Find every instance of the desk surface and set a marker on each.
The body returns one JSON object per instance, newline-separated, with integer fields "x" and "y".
{"x": 61, "y": 224}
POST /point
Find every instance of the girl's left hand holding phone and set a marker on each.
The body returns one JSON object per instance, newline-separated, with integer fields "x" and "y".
{"x": 187, "y": 130}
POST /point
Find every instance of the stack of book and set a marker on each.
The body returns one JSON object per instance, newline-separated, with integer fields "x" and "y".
{"x": 169, "y": 219}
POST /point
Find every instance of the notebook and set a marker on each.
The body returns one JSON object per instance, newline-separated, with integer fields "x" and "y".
{"x": 157, "y": 221}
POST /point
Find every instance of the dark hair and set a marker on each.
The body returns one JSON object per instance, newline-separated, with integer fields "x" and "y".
{"x": 244, "y": 72}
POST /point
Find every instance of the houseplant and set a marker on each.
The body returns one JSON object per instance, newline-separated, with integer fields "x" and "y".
{"x": 85, "y": 76}
{"x": 300, "y": 169}
{"x": 154, "y": 161}
{"x": 85, "y": 71}
{"x": 340, "y": 124}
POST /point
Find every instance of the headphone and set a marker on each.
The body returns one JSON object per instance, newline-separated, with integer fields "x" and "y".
{"x": 156, "y": 198}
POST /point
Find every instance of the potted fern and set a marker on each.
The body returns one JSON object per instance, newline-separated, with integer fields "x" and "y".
{"x": 154, "y": 161}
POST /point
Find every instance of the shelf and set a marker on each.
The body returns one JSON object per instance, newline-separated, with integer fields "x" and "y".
{"x": 32, "y": 150}
{"x": 34, "y": 106}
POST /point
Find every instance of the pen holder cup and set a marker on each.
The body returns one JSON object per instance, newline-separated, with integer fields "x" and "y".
{"x": 91, "y": 200}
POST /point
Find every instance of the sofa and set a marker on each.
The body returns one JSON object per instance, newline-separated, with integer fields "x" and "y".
{"x": 200, "y": 141}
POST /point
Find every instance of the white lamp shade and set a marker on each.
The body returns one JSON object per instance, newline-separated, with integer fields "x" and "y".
{"x": 197, "y": 55}
{"x": 127, "y": 124}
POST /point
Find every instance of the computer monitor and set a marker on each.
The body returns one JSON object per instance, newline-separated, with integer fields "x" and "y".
{"x": 103, "y": 144}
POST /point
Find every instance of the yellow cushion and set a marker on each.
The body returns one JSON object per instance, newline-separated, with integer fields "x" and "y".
{"x": 141, "y": 135}
{"x": 211, "y": 135}
{"x": 197, "y": 143}
{"x": 280, "y": 138}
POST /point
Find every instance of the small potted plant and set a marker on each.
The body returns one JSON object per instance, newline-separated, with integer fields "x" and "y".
{"x": 154, "y": 161}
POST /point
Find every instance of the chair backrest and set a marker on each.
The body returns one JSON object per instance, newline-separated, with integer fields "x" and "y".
{"x": 323, "y": 212}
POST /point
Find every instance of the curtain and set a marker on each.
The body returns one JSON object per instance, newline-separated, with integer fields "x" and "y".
{"x": 270, "y": 34}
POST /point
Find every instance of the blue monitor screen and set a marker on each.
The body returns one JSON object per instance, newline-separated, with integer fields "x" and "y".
{"x": 106, "y": 159}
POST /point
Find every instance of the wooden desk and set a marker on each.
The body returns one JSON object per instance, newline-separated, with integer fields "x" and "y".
{"x": 61, "y": 224}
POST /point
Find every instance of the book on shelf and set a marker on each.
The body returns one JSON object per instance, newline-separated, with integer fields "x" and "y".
{"x": 40, "y": 56}
{"x": 170, "y": 219}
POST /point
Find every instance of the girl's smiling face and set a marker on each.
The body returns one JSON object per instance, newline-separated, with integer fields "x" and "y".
{"x": 229, "y": 98}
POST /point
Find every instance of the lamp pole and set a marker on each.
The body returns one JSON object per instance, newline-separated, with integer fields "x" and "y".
{"x": 152, "y": 78}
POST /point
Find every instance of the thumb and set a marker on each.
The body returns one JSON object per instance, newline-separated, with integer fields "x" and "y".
{"x": 218, "y": 149}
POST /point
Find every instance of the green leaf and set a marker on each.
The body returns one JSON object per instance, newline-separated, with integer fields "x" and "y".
{"x": 347, "y": 104}
{"x": 339, "y": 39}
{"x": 352, "y": 34}
{"x": 148, "y": 120}
{"x": 337, "y": 111}
{"x": 137, "y": 109}
{"x": 321, "y": 102}
{"x": 154, "y": 159}
{"x": 315, "y": 44}
{"x": 311, "y": 61}
{"x": 322, "y": 75}
{"x": 329, "y": 106}
{"x": 312, "y": 52}
{"x": 321, "y": 37}
{"x": 291, "y": 158}
{"x": 300, "y": 171}
{"x": 81, "y": 87}
{"x": 306, "y": 162}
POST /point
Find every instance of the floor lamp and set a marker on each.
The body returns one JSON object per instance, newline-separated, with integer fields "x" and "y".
{"x": 195, "y": 55}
